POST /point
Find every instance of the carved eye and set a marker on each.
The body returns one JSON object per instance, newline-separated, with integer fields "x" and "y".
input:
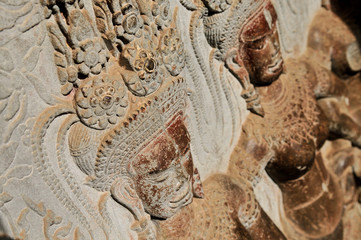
{"x": 257, "y": 44}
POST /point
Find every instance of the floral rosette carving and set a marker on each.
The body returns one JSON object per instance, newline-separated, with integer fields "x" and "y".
{"x": 128, "y": 22}
{"x": 146, "y": 74}
{"x": 101, "y": 100}
{"x": 91, "y": 56}
{"x": 120, "y": 21}
{"x": 172, "y": 50}
{"x": 218, "y": 5}
{"x": 80, "y": 52}
{"x": 161, "y": 12}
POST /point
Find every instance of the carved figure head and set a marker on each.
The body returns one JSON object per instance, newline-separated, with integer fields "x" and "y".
{"x": 259, "y": 46}
{"x": 245, "y": 35}
{"x": 146, "y": 162}
{"x": 246, "y": 32}
{"x": 163, "y": 171}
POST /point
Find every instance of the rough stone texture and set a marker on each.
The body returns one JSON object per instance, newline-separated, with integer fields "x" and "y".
{"x": 179, "y": 119}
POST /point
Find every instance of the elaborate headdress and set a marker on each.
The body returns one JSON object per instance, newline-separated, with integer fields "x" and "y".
{"x": 127, "y": 139}
{"x": 225, "y": 19}
{"x": 223, "y": 24}
{"x": 134, "y": 49}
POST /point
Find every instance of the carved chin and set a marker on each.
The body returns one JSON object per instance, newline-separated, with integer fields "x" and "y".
{"x": 182, "y": 198}
{"x": 173, "y": 204}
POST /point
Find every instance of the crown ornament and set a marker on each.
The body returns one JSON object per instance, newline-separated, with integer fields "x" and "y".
{"x": 131, "y": 49}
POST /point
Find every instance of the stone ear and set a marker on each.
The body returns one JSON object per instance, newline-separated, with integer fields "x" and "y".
{"x": 231, "y": 59}
{"x": 123, "y": 191}
{"x": 237, "y": 68}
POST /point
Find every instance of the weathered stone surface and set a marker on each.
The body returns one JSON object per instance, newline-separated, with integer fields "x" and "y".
{"x": 189, "y": 119}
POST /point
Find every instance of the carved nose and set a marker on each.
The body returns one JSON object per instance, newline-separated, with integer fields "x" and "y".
{"x": 275, "y": 43}
{"x": 180, "y": 170}
{"x": 275, "y": 53}
{"x": 275, "y": 49}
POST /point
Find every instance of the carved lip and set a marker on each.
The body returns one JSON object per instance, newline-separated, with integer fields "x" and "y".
{"x": 276, "y": 65}
{"x": 183, "y": 197}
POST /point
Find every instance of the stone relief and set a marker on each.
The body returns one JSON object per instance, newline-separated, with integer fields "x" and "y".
{"x": 159, "y": 119}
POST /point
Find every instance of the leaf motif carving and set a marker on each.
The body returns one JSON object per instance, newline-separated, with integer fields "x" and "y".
{"x": 7, "y": 155}
{"x": 6, "y": 61}
{"x": 63, "y": 231}
{"x": 13, "y": 105}
{"x": 13, "y": 2}
{"x": 3, "y": 105}
{"x": 4, "y": 92}
{"x": 22, "y": 220}
{"x": 40, "y": 89}
{"x": 31, "y": 58}
{"x": 57, "y": 38}
{"x": 188, "y": 5}
{"x": 32, "y": 19}
{"x": 20, "y": 172}
{"x": 104, "y": 19}
{"x": 37, "y": 208}
{"x": 9, "y": 17}
{"x": 4, "y": 198}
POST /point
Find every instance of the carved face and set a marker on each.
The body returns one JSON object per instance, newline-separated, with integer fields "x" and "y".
{"x": 260, "y": 48}
{"x": 164, "y": 172}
